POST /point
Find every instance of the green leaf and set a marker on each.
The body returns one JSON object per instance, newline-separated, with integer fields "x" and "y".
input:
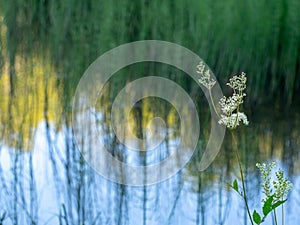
{"x": 268, "y": 206}
{"x": 278, "y": 203}
{"x": 235, "y": 185}
{"x": 256, "y": 217}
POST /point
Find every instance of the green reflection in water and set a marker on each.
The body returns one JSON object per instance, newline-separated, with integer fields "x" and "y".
{"x": 46, "y": 46}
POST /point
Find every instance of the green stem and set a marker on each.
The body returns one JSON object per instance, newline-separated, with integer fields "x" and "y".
{"x": 282, "y": 212}
{"x": 275, "y": 218}
{"x": 213, "y": 104}
{"x": 234, "y": 143}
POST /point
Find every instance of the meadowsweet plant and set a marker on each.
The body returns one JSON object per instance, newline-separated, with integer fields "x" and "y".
{"x": 265, "y": 170}
{"x": 282, "y": 186}
{"x": 231, "y": 116}
{"x": 275, "y": 191}
{"x": 206, "y": 80}
{"x": 230, "y": 106}
{"x": 205, "y": 76}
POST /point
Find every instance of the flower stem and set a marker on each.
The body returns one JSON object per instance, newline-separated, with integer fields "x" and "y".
{"x": 282, "y": 212}
{"x": 213, "y": 104}
{"x": 235, "y": 146}
{"x": 275, "y": 217}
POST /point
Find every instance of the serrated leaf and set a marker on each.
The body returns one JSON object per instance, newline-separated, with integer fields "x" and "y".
{"x": 235, "y": 185}
{"x": 256, "y": 217}
{"x": 268, "y": 206}
{"x": 278, "y": 203}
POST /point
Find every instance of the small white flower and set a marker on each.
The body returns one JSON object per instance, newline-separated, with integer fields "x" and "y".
{"x": 233, "y": 120}
{"x": 279, "y": 187}
{"x": 230, "y": 106}
{"x": 238, "y": 82}
{"x": 200, "y": 68}
{"x": 205, "y": 77}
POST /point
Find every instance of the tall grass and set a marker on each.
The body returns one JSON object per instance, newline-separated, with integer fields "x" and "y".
{"x": 259, "y": 37}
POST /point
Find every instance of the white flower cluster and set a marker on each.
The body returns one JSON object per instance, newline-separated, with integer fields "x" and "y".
{"x": 238, "y": 82}
{"x": 205, "y": 78}
{"x": 230, "y": 106}
{"x": 279, "y": 187}
{"x": 282, "y": 185}
{"x": 231, "y": 115}
{"x": 234, "y": 120}
{"x": 265, "y": 170}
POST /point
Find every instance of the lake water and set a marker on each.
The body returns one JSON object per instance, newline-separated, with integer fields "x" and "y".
{"x": 45, "y": 180}
{"x": 52, "y": 165}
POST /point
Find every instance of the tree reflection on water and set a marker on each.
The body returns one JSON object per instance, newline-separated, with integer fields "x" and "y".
{"x": 45, "y": 180}
{"x": 45, "y": 46}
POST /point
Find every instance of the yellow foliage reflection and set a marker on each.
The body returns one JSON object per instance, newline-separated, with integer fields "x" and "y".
{"x": 35, "y": 97}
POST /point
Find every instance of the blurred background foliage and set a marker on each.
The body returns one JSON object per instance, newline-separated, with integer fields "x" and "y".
{"x": 45, "y": 47}
{"x": 259, "y": 37}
